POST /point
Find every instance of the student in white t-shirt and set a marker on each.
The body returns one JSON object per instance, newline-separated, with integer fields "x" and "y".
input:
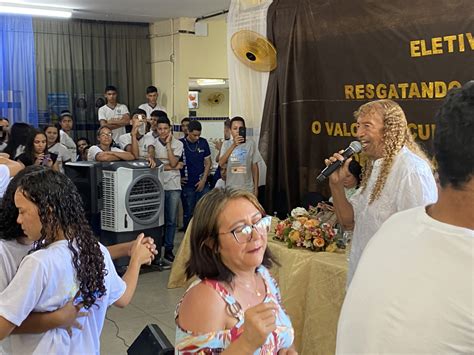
{"x": 412, "y": 292}
{"x": 220, "y": 184}
{"x": 67, "y": 260}
{"x": 8, "y": 169}
{"x": 104, "y": 150}
{"x": 137, "y": 141}
{"x": 241, "y": 156}
{"x": 169, "y": 150}
{"x": 114, "y": 115}
{"x": 54, "y": 146}
{"x": 152, "y": 101}
{"x": 4, "y": 132}
{"x": 65, "y": 134}
{"x": 14, "y": 246}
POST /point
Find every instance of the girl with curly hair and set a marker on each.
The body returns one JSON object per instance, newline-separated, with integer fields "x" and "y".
{"x": 397, "y": 175}
{"x": 66, "y": 259}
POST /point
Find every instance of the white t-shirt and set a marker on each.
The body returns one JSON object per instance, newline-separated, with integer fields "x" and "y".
{"x": 4, "y": 179}
{"x": 413, "y": 290}
{"x": 95, "y": 149}
{"x": 116, "y": 113}
{"x": 126, "y": 140}
{"x": 409, "y": 184}
{"x": 68, "y": 142}
{"x": 240, "y": 162}
{"x": 171, "y": 178}
{"x": 46, "y": 281}
{"x": 62, "y": 153}
{"x": 11, "y": 254}
{"x": 148, "y": 109}
{"x": 220, "y": 184}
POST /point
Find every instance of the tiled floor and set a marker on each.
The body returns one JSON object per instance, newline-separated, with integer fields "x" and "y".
{"x": 152, "y": 303}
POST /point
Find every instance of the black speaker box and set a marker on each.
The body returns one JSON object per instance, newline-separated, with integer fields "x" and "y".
{"x": 151, "y": 341}
{"x": 87, "y": 176}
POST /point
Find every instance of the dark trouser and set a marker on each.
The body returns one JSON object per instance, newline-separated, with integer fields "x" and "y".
{"x": 189, "y": 198}
{"x": 171, "y": 207}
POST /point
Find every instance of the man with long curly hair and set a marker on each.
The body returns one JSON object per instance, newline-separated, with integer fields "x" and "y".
{"x": 397, "y": 175}
{"x": 412, "y": 292}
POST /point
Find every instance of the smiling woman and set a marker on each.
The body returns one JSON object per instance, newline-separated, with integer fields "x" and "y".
{"x": 229, "y": 254}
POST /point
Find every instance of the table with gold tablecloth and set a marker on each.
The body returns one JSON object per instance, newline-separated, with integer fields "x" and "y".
{"x": 312, "y": 288}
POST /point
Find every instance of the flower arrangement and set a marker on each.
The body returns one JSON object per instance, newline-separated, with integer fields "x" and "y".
{"x": 303, "y": 229}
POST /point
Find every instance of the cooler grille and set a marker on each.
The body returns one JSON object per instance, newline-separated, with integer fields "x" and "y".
{"x": 108, "y": 211}
{"x": 144, "y": 200}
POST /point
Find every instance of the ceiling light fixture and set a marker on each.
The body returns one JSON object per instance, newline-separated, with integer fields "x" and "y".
{"x": 35, "y": 11}
{"x": 205, "y": 82}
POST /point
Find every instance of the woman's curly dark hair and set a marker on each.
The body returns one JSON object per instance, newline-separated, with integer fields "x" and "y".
{"x": 60, "y": 209}
{"x": 9, "y": 228}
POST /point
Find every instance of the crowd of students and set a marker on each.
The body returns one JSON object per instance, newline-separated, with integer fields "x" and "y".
{"x": 407, "y": 290}
{"x": 186, "y": 160}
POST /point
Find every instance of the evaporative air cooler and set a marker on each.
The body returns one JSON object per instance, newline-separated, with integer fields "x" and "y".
{"x": 133, "y": 201}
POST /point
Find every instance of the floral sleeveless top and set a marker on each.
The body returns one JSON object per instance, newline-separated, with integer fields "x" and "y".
{"x": 216, "y": 342}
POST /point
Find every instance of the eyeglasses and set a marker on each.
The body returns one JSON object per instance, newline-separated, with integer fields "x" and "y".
{"x": 106, "y": 134}
{"x": 243, "y": 234}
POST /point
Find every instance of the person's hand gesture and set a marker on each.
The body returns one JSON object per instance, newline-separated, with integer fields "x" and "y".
{"x": 337, "y": 177}
{"x": 67, "y": 316}
{"x": 200, "y": 185}
{"x": 260, "y": 321}
{"x": 218, "y": 144}
{"x": 149, "y": 242}
{"x": 151, "y": 162}
{"x": 39, "y": 159}
{"x": 169, "y": 137}
{"x": 142, "y": 252}
{"x": 135, "y": 124}
{"x": 287, "y": 351}
{"x": 239, "y": 140}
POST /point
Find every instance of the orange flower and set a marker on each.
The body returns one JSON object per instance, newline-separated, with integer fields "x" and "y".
{"x": 302, "y": 220}
{"x": 308, "y": 235}
{"x": 318, "y": 242}
{"x": 294, "y": 236}
{"x": 311, "y": 223}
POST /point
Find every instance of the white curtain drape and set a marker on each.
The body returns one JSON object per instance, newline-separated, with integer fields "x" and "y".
{"x": 247, "y": 87}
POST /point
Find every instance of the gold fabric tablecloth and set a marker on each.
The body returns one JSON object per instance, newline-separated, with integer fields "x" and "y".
{"x": 312, "y": 288}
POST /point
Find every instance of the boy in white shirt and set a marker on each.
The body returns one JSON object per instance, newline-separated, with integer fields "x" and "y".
{"x": 114, "y": 115}
{"x": 137, "y": 141}
{"x": 169, "y": 150}
{"x": 152, "y": 101}
{"x": 65, "y": 134}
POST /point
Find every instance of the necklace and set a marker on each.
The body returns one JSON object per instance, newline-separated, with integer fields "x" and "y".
{"x": 253, "y": 289}
{"x": 189, "y": 147}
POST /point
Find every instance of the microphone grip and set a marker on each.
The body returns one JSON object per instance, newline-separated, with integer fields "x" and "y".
{"x": 329, "y": 170}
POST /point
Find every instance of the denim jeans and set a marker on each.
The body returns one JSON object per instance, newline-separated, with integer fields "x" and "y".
{"x": 189, "y": 198}
{"x": 171, "y": 213}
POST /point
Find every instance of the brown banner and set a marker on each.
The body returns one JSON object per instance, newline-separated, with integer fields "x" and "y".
{"x": 333, "y": 56}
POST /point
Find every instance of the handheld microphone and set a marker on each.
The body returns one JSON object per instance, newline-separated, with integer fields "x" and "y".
{"x": 354, "y": 147}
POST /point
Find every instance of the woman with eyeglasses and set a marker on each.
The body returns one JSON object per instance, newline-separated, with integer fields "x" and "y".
{"x": 104, "y": 151}
{"x": 235, "y": 306}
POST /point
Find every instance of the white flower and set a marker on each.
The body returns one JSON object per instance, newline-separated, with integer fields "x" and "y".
{"x": 296, "y": 225}
{"x": 308, "y": 244}
{"x": 299, "y": 212}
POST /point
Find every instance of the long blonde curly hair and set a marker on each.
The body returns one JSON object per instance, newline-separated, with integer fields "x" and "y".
{"x": 395, "y": 135}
